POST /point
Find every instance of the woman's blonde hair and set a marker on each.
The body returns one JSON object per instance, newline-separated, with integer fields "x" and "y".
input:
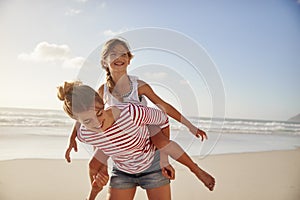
{"x": 77, "y": 97}
{"x": 107, "y": 47}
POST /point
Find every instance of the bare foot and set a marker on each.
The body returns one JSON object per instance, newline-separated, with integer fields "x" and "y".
{"x": 206, "y": 178}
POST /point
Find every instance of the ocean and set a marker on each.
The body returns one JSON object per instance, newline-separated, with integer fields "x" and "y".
{"x": 34, "y": 133}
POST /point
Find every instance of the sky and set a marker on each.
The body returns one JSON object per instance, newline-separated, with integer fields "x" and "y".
{"x": 254, "y": 45}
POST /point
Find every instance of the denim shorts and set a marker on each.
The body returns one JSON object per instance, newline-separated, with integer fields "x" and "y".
{"x": 148, "y": 179}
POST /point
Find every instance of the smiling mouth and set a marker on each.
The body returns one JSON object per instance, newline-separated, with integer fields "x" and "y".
{"x": 119, "y": 63}
{"x": 100, "y": 126}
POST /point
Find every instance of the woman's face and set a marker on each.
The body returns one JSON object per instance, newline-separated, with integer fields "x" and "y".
{"x": 118, "y": 58}
{"x": 93, "y": 119}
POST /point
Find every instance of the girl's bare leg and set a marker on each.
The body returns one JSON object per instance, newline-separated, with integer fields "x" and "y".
{"x": 177, "y": 153}
{"x": 171, "y": 148}
{"x": 94, "y": 167}
{"x": 206, "y": 178}
{"x": 97, "y": 168}
{"x": 97, "y": 163}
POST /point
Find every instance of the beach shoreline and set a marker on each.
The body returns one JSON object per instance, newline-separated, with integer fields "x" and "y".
{"x": 51, "y": 143}
{"x": 257, "y": 175}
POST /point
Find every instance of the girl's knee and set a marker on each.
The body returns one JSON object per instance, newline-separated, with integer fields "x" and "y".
{"x": 94, "y": 164}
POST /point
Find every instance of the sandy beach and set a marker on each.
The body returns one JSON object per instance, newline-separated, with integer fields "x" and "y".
{"x": 263, "y": 175}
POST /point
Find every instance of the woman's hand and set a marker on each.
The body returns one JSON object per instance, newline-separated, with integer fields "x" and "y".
{"x": 100, "y": 180}
{"x": 168, "y": 171}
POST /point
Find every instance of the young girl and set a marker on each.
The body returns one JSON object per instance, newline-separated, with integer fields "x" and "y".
{"x": 121, "y": 132}
{"x": 120, "y": 87}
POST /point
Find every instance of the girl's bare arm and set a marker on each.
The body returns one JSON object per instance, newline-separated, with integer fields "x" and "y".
{"x": 145, "y": 89}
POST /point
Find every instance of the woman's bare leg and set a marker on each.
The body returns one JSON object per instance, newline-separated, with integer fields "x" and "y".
{"x": 160, "y": 193}
{"x": 121, "y": 194}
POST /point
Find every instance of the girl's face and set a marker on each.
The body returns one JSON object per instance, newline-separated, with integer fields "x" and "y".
{"x": 118, "y": 58}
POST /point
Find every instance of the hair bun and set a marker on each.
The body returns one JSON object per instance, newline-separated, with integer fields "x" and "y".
{"x": 61, "y": 93}
{"x": 67, "y": 89}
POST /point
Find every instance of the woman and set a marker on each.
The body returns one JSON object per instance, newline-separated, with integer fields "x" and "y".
{"x": 121, "y": 132}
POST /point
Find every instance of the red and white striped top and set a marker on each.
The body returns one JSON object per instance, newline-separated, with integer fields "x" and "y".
{"x": 127, "y": 141}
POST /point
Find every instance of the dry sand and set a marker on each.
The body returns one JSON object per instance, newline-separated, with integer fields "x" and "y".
{"x": 271, "y": 175}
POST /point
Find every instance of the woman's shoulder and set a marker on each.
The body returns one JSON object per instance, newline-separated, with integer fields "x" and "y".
{"x": 125, "y": 109}
{"x": 128, "y": 106}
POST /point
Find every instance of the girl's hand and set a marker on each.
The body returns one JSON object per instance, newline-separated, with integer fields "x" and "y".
{"x": 72, "y": 145}
{"x": 198, "y": 132}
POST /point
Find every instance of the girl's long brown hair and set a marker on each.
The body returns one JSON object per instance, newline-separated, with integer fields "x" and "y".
{"x": 107, "y": 47}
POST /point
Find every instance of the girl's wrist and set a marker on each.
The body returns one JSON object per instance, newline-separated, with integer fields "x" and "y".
{"x": 192, "y": 127}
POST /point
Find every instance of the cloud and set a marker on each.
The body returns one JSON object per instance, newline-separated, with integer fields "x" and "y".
{"x": 156, "y": 75}
{"x": 45, "y": 52}
{"x": 76, "y": 62}
{"x": 110, "y": 33}
{"x": 72, "y": 12}
{"x": 184, "y": 82}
